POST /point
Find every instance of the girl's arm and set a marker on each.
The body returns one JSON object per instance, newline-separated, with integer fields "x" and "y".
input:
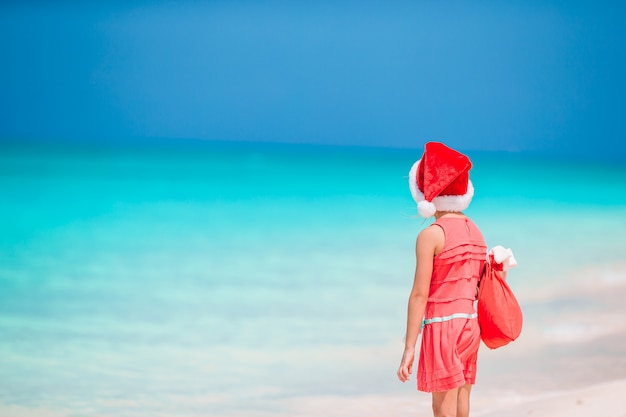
{"x": 429, "y": 242}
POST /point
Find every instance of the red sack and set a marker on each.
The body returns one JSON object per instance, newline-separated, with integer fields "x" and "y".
{"x": 499, "y": 313}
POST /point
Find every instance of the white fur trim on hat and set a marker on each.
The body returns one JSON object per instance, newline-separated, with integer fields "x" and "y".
{"x": 441, "y": 203}
{"x": 415, "y": 191}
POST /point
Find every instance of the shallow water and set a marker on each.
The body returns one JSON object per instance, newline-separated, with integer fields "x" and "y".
{"x": 199, "y": 278}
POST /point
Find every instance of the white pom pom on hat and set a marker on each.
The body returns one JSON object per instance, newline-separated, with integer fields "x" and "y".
{"x": 439, "y": 181}
{"x": 426, "y": 208}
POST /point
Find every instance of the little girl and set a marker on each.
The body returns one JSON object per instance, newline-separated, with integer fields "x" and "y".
{"x": 450, "y": 255}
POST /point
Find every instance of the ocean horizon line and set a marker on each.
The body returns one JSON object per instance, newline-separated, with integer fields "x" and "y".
{"x": 199, "y": 144}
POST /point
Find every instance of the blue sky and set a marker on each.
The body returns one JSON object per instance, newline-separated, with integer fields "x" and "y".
{"x": 521, "y": 75}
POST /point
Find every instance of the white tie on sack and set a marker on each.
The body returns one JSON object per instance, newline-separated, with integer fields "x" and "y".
{"x": 504, "y": 256}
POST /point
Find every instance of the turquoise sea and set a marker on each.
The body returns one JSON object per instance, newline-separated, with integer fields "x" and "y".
{"x": 189, "y": 278}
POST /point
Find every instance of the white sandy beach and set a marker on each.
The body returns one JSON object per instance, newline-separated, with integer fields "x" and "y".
{"x": 604, "y": 399}
{"x": 570, "y": 361}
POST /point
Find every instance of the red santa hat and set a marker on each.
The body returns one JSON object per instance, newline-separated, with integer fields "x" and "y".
{"x": 439, "y": 181}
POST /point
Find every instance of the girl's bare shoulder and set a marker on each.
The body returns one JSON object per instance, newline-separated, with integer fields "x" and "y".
{"x": 432, "y": 235}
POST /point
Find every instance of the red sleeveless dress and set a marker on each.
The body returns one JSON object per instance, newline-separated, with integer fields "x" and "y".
{"x": 450, "y": 333}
